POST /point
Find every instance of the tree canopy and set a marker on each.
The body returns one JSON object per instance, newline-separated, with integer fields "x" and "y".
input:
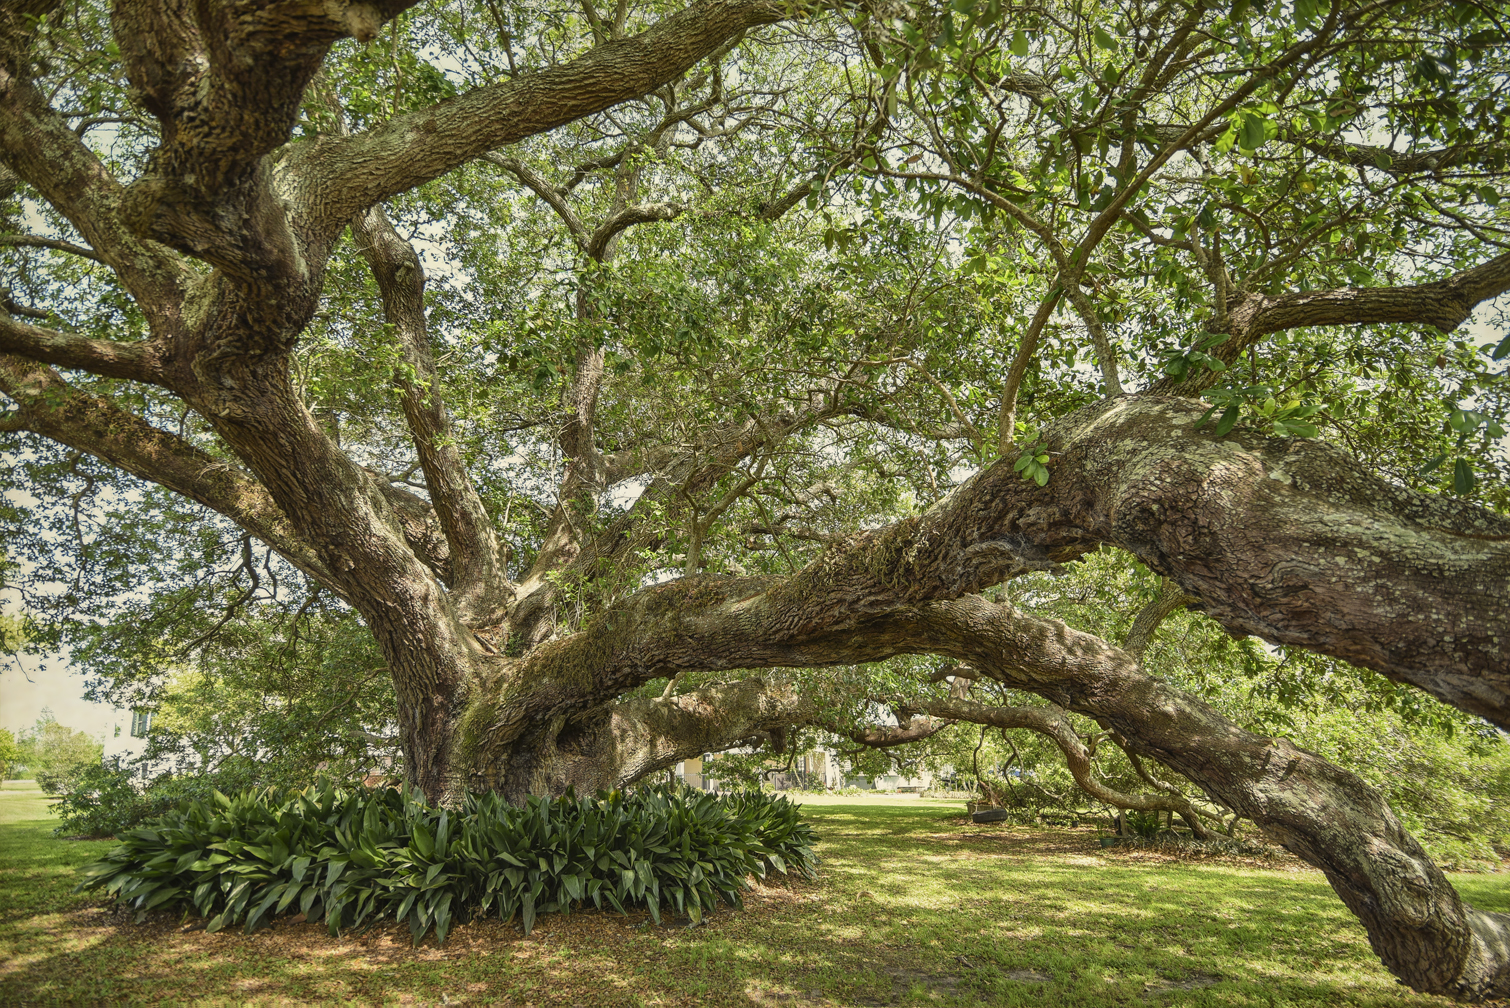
{"x": 618, "y": 386}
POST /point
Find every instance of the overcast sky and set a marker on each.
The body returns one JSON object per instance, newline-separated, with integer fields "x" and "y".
{"x": 24, "y": 693}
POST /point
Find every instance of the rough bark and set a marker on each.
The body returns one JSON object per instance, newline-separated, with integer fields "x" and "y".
{"x": 477, "y": 575}
{"x": 1292, "y": 541}
{"x": 1415, "y": 920}
{"x": 611, "y": 746}
{"x": 1444, "y": 304}
{"x": 1168, "y": 599}
{"x": 225, "y": 81}
{"x": 1272, "y": 536}
{"x": 1287, "y": 539}
{"x": 366, "y": 168}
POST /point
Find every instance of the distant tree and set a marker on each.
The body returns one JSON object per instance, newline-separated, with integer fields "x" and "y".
{"x": 9, "y": 753}
{"x": 54, "y": 754}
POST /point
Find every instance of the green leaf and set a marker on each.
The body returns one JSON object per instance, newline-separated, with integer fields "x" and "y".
{"x": 1255, "y": 132}
{"x": 1019, "y": 43}
{"x": 1227, "y": 140}
{"x": 1104, "y": 40}
{"x": 1462, "y": 477}
{"x": 1502, "y": 351}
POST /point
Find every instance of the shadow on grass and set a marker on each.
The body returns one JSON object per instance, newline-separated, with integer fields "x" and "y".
{"x": 913, "y": 907}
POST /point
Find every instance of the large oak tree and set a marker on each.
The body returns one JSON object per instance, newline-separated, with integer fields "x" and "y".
{"x": 1263, "y": 209}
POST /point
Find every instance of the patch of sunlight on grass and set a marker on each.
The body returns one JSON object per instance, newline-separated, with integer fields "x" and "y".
{"x": 19, "y": 806}
{"x": 914, "y": 906}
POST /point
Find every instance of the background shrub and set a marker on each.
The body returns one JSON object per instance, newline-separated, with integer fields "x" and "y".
{"x": 107, "y": 798}
{"x": 353, "y": 858}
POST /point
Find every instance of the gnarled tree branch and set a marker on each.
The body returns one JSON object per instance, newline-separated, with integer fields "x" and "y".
{"x": 139, "y": 361}
{"x": 409, "y": 150}
{"x": 479, "y": 584}
{"x": 51, "y": 407}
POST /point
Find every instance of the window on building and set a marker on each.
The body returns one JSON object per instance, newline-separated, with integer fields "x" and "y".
{"x": 141, "y": 721}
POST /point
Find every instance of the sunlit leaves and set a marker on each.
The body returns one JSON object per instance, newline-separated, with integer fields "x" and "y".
{"x": 1257, "y": 407}
{"x": 1033, "y": 464}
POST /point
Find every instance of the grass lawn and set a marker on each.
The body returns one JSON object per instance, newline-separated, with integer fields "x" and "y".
{"x": 914, "y": 907}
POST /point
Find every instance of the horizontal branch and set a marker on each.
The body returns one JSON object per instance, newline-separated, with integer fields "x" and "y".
{"x": 1328, "y": 816}
{"x": 613, "y": 746}
{"x": 1292, "y": 541}
{"x": 138, "y": 361}
{"x": 1356, "y": 155}
{"x": 1445, "y": 304}
{"x": 10, "y": 306}
{"x": 1054, "y": 724}
{"x": 906, "y": 732}
{"x": 1399, "y": 163}
{"x": 57, "y": 245}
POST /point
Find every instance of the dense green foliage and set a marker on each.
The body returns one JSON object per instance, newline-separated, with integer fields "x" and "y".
{"x": 110, "y": 796}
{"x": 9, "y": 752}
{"x": 354, "y": 857}
{"x": 54, "y": 754}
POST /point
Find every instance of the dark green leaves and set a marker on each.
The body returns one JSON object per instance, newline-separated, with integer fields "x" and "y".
{"x": 353, "y": 858}
{"x": 1465, "y": 422}
{"x": 1257, "y": 406}
{"x": 1462, "y": 477}
{"x": 1197, "y": 356}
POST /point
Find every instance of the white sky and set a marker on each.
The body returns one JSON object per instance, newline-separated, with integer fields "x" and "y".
{"x": 24, "y": 693}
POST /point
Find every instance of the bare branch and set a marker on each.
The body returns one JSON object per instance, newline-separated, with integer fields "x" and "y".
{"x": 57, "y": 245}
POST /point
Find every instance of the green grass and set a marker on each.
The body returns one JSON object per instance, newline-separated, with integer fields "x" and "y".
{"x": 914, "y": 906}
